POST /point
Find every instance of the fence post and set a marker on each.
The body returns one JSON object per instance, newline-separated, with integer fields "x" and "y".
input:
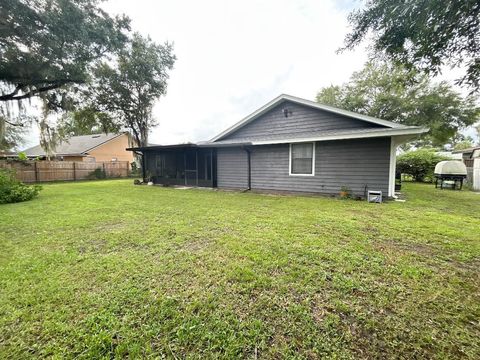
{"x": 103, "y": 165}
{"x": 36, "y": 171}
{"x": 74, "y": 172}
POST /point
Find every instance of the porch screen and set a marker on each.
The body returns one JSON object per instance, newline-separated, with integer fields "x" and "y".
{"x": 301, "y": 158}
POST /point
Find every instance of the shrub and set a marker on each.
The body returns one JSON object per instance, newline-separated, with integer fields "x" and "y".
{"x": 12, "y": 190}
{"x": 135, "y": 169}
{"x": 419, "y": 164}
{"x": 98, "y": 173}
{"x": 22, "y": 156}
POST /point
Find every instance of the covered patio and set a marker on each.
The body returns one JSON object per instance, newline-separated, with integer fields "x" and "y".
{"x": 183, "y": 164}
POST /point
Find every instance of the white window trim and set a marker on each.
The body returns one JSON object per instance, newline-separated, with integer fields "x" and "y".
{"x": 290, "y": 160}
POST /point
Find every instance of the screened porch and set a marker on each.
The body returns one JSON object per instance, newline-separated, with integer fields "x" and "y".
{"x": 186, "y": 165}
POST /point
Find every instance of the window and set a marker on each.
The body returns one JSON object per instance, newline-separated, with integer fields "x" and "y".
{"x": 302, "y": 159}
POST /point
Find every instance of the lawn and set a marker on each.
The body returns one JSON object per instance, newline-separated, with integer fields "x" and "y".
{"x": 108, "y": 269}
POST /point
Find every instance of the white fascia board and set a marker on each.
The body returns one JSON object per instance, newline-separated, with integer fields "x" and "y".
{"x": 308, "y": 103}
{"x": 392, "y": 132}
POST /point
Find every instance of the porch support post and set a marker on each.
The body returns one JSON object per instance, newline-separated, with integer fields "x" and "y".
{"x": 211, "y": 166}
{"x": 393, "y": 162}
{"x": 196, "y": 167}
{"x": 185, "y": 165}
{"x": 144, "y": 165}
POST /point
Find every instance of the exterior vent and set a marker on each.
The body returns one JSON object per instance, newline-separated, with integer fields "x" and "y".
{"x": 374, "y": 196}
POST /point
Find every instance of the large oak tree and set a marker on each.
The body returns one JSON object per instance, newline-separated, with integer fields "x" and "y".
{"x": 49, "y": 48}
{"x": 423, "y": 34}
{"x": 47, "y": 44}
{"x": 405, "y": 96}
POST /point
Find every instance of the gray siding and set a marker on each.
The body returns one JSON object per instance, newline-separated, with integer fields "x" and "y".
{"x": 351, "y": 163}
{"x": 232, "y": 168}
{"x": 302, "y": 120}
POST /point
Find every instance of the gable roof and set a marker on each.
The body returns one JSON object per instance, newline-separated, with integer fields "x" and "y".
{"x": 311, "y": 104}
{"x": 76, "y": 145}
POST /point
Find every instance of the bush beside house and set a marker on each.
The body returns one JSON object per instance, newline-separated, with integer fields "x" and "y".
{"x": 419, "y": 164}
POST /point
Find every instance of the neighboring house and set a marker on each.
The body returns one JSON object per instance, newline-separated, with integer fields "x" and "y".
{"x": 290, "y": 144}
{"x": 471, "y": 159}
{"x": 468, "y": 155}
{"x": 8, "y": 155}
{"x": 450, "y": 154}
{"x": 99, "y": 147}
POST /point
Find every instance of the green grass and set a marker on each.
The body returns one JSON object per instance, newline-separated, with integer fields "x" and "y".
{"x": 108, "y": 269}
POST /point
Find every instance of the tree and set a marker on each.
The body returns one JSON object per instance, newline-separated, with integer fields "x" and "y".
{"x": 86, "y": 121}
{"x": 464, "y": 144}
{"x": 402, "y": 95}
{"x": 45, "y": 45}
{"x": 47, "y": 49}
{"x": 10, "y": 136}
{"x": 424, "y": 35}
{"x": 127, "y": 89}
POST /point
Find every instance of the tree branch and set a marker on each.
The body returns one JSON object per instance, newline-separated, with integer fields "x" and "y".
{"x": 54, "y": 85}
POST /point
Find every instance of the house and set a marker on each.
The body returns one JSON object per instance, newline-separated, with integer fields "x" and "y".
{"x": 468, "y": 155}
{"x": 289, "y": 144}
{"x": 91, "y": 148}
{"x": 471, "y": 159}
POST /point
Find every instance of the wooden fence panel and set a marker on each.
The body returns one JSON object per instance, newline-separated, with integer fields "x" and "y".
{"x": 44, "y": 171}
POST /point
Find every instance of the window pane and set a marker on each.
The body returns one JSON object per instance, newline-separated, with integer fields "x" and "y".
{"x": 302, "y": 158}
{"x": 300, "y": 151}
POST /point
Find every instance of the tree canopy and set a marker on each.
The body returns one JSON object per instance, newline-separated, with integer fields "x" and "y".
{"x": 84, "y": 65}
{"x": 45, "y": 45}
{"x": 402, "y": 95}
{"x": 86, "y": 121}
{"x": 127, "y": 88}
{"x": 424, "y": 35}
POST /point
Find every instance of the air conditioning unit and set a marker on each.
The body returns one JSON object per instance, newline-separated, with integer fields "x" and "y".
{"x": 374, "y": 196}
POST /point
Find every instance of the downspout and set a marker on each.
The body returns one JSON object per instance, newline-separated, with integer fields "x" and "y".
{"x": 249, "y": 168}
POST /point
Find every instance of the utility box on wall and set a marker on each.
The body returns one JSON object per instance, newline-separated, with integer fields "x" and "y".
{"x": 374, "y": 196}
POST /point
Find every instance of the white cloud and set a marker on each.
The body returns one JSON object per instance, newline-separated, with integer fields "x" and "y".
{"x": 235, "y": 56}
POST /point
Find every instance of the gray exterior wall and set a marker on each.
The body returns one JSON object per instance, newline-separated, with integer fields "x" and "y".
{"x": 352, "y": 163}
{"x": 302, "y": 120}
{"x": 232, "y": 168}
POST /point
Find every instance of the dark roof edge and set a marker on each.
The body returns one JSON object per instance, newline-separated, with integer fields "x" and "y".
{"x": 190, "y": 146}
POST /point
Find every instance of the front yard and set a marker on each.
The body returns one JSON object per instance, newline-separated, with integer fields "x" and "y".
{"x": 104, "y": 269}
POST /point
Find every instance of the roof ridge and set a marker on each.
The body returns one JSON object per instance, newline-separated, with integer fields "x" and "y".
{"x": 285, "y": 97}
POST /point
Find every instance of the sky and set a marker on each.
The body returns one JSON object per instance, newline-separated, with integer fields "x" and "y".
{"x": 235, "y": 56}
